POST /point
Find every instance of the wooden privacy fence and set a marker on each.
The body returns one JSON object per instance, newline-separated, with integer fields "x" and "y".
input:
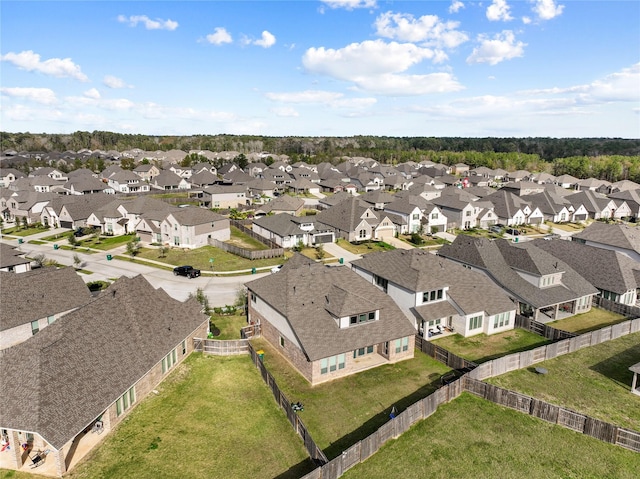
{"x": 624, "y": 309}
{"x": 220, "y": 347}
{"x": 525, "y": 359}
{"x": 242, "y": 226}
{"x": 247, "y": 253}
{"x": 601, "y": 430}
{"x": 442, "y": 355}
{"x": 391, "y": 429}
{"x": 314, "y": 451}
{"x": 542, "y": 329}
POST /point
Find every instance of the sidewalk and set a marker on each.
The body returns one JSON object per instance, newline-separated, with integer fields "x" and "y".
{"x": 339, "y": 252}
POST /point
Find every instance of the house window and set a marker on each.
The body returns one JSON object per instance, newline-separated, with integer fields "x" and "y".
{"x": 500, "y": 320}
{"x": 467, "y": 213}
{"x": 362, "y": 233}
{"x": 362, "y": 318}
{"x": 416, "y": 216}
{"x": 169, "y": 361}
{"x": 281, "y": 341}
{"x": 184, "y": 347}
{"x": 435, "y": 295}
{"x": 383, "y": 283}
{"x": 475, "y": 322}
{"x": 253, "y": 297}
{"x": 398, "y": 345}
{"x": 434, "y": 216}
{"x": 125, "y": 401}
{"x": 51, "y": 319}
{"x": 35, "y": 327}
{"x": 405, "y": 344}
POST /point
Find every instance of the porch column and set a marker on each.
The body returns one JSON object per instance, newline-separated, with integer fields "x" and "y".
{"x": 58, "y": 455}
{"x": 633, "y": 384}
{"x": 555, "y": 316}
{"x": 15, "y": 449}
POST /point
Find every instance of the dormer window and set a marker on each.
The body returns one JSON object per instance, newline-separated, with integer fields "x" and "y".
{"x": 362, "y": 318}
{"x": 435, "y": 295}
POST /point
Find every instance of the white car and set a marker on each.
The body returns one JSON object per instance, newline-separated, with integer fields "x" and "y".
{"x": 275, "y": 269}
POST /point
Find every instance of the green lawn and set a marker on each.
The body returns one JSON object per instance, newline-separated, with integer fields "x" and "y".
{"x": 19, "y": 231}
{"x": 243, "y": 240}
{"x": 106, "y": 243}
{"x": 572, "y": 227}
{"x": 344, "y": 411}
{"x": 595, "y": 319}
{"x": 470, "y": 438}
{"x": 366, "y": 247}
{"x": 214, "y": 418}
{"x": 199, "y": 258}
{"x": 57, "y": 236}
{"x": 595, "y": 381}
{"x": 229, "y": 325}
{"x": 481, "y": 348}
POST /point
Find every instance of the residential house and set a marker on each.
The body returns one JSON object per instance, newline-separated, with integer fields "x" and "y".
{"x": 86, "y": 185}
{"x": 543, "y": 287}
{"x": 90, "y": 368}
{"x": 355, "y": 220}
{"x": 127, "y": 181}
{"x": 567, "y": 182}
{"x": 193, "y": 227}
{"x": 147, "y": 171}
{"x": 52, "y": 173}
{"x": 596, "y": 206}
{"x": 303, "y": 185}
{"x": 223, "y": 196}
{"x": 617, "y": 237}
{"x": 288, "y": 231}
{"x": 514, "y": 210}
{"x": 542, "y": 178}
{"x": 168, "y": 180}
{"x": 517, "y": 176}
{"x": 9, "y": 175}
{"x": 12, "y": 260}
{"x": 27, "y": 205}
{"x": 460, "y": 169}
{"x": 632, "y": 198}
{"x": 523, "y": 188}
{"x": 203, "y": 178}
{"x": 329, "y": 322}
{"x": 33, "y": 300}
{"x": 410, "y": 211}
{"x": 260, "y": 190}
{"x": 615, "y": 276}
{"x": 72, "y": 211}
{"x": 460, "y": 213}
{"x": 554, "y": 208}
{"x": 282, "y": 204}
{"x": 438, "y": 295}
{"x": 378, "y": 200}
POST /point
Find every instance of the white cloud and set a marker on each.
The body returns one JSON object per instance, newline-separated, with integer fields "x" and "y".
{"x": 44, "y": 96}
{"x": 285, "y": 111}
{"x": 407, "y": 85}
{"x": 56, "y": 67}
{"x": 92, "y": 93}
{"x": 456, "y": 6}
{"x": 428, "y": 29}
{"x": 350, "y": 4}
{"x": 219, "y": 36}
{"x": 526, "y": 20}
{"x": 502, "y": 46}
{"x": 267, "y": 40}
{"x": 327, "y": 98}
{"x": 149, "y": 24}
{"x": 547, "y": 9}
{"x": 114, "y": 82}
{"x": 499, "y": 11}
{"x": 371, "y": 57}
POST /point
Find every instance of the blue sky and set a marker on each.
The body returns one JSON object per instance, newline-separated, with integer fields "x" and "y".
{"x": 322, "y": 68}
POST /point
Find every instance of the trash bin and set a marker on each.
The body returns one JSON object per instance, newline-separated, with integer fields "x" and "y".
{"x": 260, "y": 354}
{"x": 109, "y": 257}
{"x": 20, "y": 241}
{"x": 253, "y": 271}
{"x": 341, "y": 260}
{"x": 55, "y": 246}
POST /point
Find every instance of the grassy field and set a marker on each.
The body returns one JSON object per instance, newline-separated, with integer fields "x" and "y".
{"x": 595, "y": 319}
{"x": 366, "y": 247}
{"x": 595, "y": 381}
{"x": 19, "y": 231}
{"x": 199, "y": 258}
{"x": 571, "y": 227}
{"x": 214, "y": 418}
{"x": 243, "y": 240}
{"x": 106, "y": 243}
{"x": 342, "y": 412}
{"x": 229, "y": 325}
{"x": 481, "y": 348}
{"x": 470, "y": 438}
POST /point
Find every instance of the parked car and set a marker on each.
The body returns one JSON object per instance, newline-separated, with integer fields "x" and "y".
{"x": 79, "y": 232}
{"x": 275, "y": 269}
{"x": 495, "y": 229}
{"x": 188, "y": 271}
{"x": 512, "y": 231}
{"x": 551, "y": 236}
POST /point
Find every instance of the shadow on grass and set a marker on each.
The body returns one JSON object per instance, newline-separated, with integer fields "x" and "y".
{"x": 299, "y": 470}
{"x": 345, "y": 442}
{"x": 513, "y": 351}
{"x": 617, "y": 366}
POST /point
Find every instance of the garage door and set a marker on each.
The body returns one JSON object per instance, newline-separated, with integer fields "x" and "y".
{"x": 66, "y": 224}
{"x": 384, "y": 234}
{"x": 323, "y": 238}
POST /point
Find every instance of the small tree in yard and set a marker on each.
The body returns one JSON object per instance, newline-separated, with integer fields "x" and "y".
{"x": 72, "y": 240}
{"x": 25, "y": 223}
{"x": 202, "y": 299}
{"x": 39, "y": 260}
{"x": 77, "y": 262}
{"x": 299, "y": 246}
{"x": 133, "y": 247}
{"x": 320, "y": 253}
{"x": 163, "y": 249}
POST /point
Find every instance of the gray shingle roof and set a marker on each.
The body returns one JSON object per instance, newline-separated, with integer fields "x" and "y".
{"x": 621, "y": 236}
{"x": 9, "y": 256}
{"x": 488, "y": 255}
{"x": 57, "y": 382}
{"x": 38, "y": 294}
{"x": 300, "y": 294}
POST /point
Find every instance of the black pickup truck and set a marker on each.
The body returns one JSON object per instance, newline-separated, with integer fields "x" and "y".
{"x": 188, "y": 271}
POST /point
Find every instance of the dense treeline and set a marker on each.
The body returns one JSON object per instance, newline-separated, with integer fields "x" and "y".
{"x": 606, "y": 158}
